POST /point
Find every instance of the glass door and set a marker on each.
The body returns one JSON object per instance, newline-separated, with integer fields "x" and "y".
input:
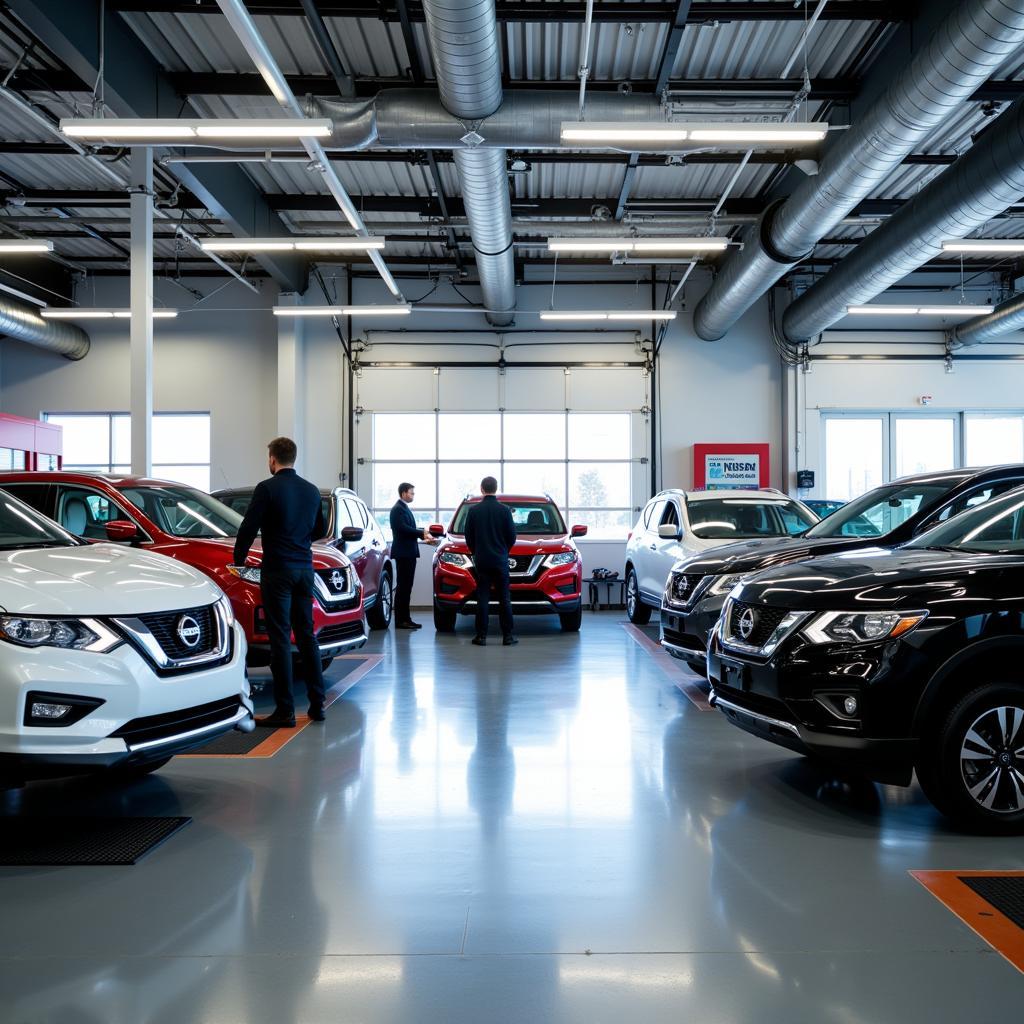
{"x": 855, "y": 454}
{"x": 923, "y": 444}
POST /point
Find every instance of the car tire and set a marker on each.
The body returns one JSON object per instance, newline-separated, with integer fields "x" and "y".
{"x": 638, "y": 612}
{"x": 571, "y": 621}
{"x": 444, "y": 618}
{"x": 968, "y": 767}
{"x": 379, "y": 616}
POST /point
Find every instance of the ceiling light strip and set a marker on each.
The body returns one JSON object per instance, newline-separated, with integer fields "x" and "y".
{"x": 25, "y": 245}
{"x": 955, "y": 310}
{"x": 131, "y": 129}
{"x": 985, "y": 245}
{"x": 395, "y": 310}
{"x": 710, "y": 244}
{"x": 668, "y": 132}
{"x": 99, "y": 313}
{"x": 312, "y": 244}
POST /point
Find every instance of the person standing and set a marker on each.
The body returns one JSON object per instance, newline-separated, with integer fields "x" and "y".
{"x": 405, "y": 549}
{"x": 288, "y": 511}
{"x": 490, "y": 534}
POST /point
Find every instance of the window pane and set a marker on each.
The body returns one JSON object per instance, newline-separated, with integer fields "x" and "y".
{"x": 404, "y": 435}
{"x": 181, "y": 438}
{"x": 388, "y": 475}
{"x": 599, "y": 435}
{"x": 611, "y": 525}
{"x": 423, "y": 517}
{"x": 457, "y": 479}
{"x": 532, "y": 435}
{"x": 853, "y": 456}
{"x": 536, "y": 478}
{"x": 923, "y": 445}
{"x": 194, "y": 476}
{"x": 991, "y": 440}
{"x": 121, "y": 438}
{"x": 599, "y": 485}
{"x": 469, "y": 436}
{"x": 86, "y": 439}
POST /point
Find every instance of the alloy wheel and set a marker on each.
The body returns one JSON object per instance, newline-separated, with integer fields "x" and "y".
{"x": 384, "y": 597}
{"x": 631, "y": 594}
{"x": 992, "y": 760}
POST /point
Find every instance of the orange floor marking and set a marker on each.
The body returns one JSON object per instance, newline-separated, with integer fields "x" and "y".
{"x": 683, "y": 680}
{"x": 978, "y": 914}
{"x": 279, "y": 738}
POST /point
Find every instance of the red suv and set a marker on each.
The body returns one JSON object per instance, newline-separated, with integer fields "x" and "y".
{"x": 545, "y": 568}
{"x": 184, "y": 523}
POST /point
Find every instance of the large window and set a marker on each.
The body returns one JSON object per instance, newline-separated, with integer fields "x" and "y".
{"x": 102, "y": 443}
{"x": 582, "y": 460}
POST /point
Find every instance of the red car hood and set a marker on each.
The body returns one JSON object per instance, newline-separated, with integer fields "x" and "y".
{"x": 212, "y": 552}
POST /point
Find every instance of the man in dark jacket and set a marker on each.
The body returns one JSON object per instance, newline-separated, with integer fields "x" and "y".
{"x": 405, "y": 549}
{"x": 490, "y": 534}
{"x": 288, "y": 511}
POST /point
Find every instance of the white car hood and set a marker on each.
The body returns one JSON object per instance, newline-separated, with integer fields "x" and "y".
{"x": 98, "y": 579}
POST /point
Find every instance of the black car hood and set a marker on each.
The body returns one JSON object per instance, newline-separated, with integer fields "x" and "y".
{"x": 755, "y": 555}
{"x": 875, "y": 579}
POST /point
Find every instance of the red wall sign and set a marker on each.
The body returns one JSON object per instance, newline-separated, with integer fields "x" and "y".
{"x": 30, "y": 444}
{"x": 730, "y": 466}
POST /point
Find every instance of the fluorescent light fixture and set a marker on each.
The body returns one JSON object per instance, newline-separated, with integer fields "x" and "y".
{"x": 769, "y": 131}
{"x": 625, "y": 131}
{"x": 985, "y": 245}
{"x": 23, "y": 245}
{"x": 960, "y": 310}
{"x": 313, "y": 244}
{"x": 126, "y": 129}
{"x": 637, "y": 244}
{"x": 622, "y": 314}
{"x": 92, "y": 313}
{"x": 395, "y": 310}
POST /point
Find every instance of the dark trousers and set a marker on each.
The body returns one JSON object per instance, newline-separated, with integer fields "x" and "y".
{"x": 288, "y": 604}
{"x": 405, "y": 573}
{"x": 488, "y": 580}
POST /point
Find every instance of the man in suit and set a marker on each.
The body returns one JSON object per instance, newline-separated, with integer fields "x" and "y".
{"x": 490, "y": 534}
{"x": 287, "y": 510}
{"x": 405, "y": 549}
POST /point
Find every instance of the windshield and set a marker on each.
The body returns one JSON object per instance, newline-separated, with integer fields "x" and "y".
{"x": 996, "y": 527}
{"x": 537, "y": 518}
{"x": 23, "y": 527}
{"x": 880, "y": 511}
{"x": 184, "y": 511}
{"x": 746, "y": 518}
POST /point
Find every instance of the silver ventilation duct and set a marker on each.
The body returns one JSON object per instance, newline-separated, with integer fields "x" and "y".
{"x": 987, "y": 179}
{"x": 974, "y": 40}
{"x": 463, "y": 39}
{"x": 23, "y": 323}
{"x": 1007, "y": 317}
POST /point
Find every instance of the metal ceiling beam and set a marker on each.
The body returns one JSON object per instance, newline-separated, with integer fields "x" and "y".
{"x": 531, "y": 11}
{"x": 671, "y": 51}
{"x": 136, "y": 86}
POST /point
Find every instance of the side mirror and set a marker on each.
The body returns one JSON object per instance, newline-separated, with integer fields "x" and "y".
{"x": 669, "y": 531}
{"x": 350, "y": 534}
{"x": 436, "y": 530}
{"x": 121, "y": 530}
{"x": 578, "y": 531}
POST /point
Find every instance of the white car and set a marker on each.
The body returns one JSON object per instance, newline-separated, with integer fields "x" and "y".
{"x": 110, "y": 657}
{"x": 677, "y": 524}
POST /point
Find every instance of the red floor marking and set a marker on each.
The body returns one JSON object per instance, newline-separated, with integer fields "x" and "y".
{"x": 683, "y": 680}
{"x": 979, "y": 915}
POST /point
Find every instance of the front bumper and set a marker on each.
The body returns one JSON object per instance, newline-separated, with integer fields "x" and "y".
{"x": 143, "y": 717}
{"x": 685, "y": 632}
{"x": 555, "y": 591}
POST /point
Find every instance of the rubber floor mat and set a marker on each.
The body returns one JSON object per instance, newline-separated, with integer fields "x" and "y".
{"x": 1004, "y": 892}
{"x": 52, "y": 842}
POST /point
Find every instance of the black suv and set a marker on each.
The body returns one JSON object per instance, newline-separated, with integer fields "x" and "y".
{"x": 888, "y": 515}
{"x": 884, "y": 661}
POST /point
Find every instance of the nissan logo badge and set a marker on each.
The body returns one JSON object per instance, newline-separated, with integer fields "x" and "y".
{"x": 189, "y": 632}
{"x": 338, "y": 580}
{"x": 746, "y": 624}
{"x": 511, "y": 563}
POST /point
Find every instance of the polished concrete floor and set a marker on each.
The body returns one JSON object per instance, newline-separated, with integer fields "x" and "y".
{"x": 546, "y": 833}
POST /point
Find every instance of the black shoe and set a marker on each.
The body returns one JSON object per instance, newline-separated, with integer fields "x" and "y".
{"x": 408, "y": 625}
{"x": 316, "y": 712}
{"x": 277, "y": 721}
{"x": 479, "y": 641}
{"x": 509, "y": 641}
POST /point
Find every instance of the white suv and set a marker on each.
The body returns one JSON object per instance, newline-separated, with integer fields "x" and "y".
{"x": 678, "y": 524}
{"x": 110, "y": 657}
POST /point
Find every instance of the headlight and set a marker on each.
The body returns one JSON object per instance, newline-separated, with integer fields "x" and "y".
{"x": 228, "y": 611}
{"x": 562, "y": 558}
{"x": 723, "y": 584}
{"x": 248, "y": 573}
{"x": 454, "y": 558}
{"x": 70, "y": 634}
{"x": 861, "y": 627}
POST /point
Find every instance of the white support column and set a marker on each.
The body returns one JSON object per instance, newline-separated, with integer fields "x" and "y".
{"x": 291, "y": 362}
{"x": 141, "y": 390}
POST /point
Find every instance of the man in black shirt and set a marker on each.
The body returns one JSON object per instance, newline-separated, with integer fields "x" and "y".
{"x": 405, "y": 549}
{"x": 490, "y": 534}
{"x": 288, "y": 511}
